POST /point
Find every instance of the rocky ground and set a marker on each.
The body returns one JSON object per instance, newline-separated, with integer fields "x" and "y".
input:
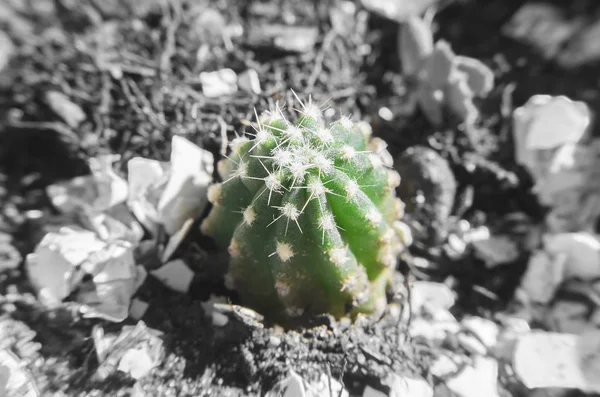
{"x": 88, "y": 78}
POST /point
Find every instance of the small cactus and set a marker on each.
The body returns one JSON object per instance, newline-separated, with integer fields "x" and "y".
{"x": 309, "y": 215}
{"x": 443, "y": 79}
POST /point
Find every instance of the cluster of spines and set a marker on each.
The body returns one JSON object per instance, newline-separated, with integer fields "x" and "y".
{"x": 306, "y": 192}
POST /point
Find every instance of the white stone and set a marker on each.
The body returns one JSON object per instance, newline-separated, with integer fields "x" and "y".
{"x": 90, "y": 193}
{"x": 370, "y": 392}
{"x": 582, "y": 48}
{"x": 219, "y": 83}
{"x": 435, "y": 294}
{"x": 140, "y": 277}
{"x": 547, "y": 359}
{"x": 479, "y": 379}
{"x": 175, "y": 274}
{"x": 219, "y": 319}
{"x": 445, "y": 365}
{"x": 326, "y": 386}
{"x": 582, "y": 251}
{"x": 588, "y": 348}
{"x": 144, "y": 177}
{"x": 136, "y": 362}
{"x": 53, "y": 266}
{"x": 545, "y": 123}
{"x": 401, "y": 386}
{"x": 398, "y": 10}
{"x": 569, "y": 317}
{"x": 434, "y": 331}
{"x": 135, "y": 350}
{"x": 176, "y": 240}
{"x": 558, "y": 122}
{"x": 543, "y": 276}
{"x": 486, "y": 330}
{"x": 114, "y": 277}
{"x": 295, "y": 386}
{"x": 15, "y": 380}
{"x": 471, "y": 344}
{"x": 496, "y": 250}
{"x": 110, "y": 228}
{"x": 291, "y": 386}
{"x": 7, "y": 49}
{"x": 249, "y": 81}
{"x": 542, "y": 25}
{"x": 185, "y": 196}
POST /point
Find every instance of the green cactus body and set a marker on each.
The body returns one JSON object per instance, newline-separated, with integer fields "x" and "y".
{"x": 308, "y": 214}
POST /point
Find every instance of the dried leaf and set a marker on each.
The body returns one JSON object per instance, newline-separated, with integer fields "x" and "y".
{"x": 439, "y": 65}
{"x": 480, "y": 77}
{"x": 416, "y": 44}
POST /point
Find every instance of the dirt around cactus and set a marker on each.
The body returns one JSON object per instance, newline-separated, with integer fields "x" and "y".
{"x": 132, "y": 68}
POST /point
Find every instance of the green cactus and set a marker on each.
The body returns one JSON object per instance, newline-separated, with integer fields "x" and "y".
{"x": 442, "y": 78}
{"x": 309, "y": 215}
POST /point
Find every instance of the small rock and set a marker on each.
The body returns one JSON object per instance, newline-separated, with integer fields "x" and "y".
{"x": 249, "y": 81}
{"x": 455, "y": 246}
{"x": 546, "y": 359}
{"x": 401, "y": 386}
{"x": 582, "y": 251}
{"x": 136, "y": 362}
{"x": 90, "y": 194}
{"x": 326, "y": 386}
{"x": 71, "y": 113}
{"x": 53, "y": 266}
{"x": 546, "y": 123}
{"x": 209, "y": 26}
{"x": 138, "y": 308}
{"x": 219, "y": 83}
{"x": 543, "y": 276}
{"x": 479, "y": 379}
{"x": 7, "y": 49}
{"x": 542, "y": 25}
{"x": 10, "y": 257}
{"x": 287, "y": 38}
{"x": 291, "y": 386}
{"x": 175, "y": 274}
{"x": 136, "y": 350}
{"x": 184, "y": 196}
{"x": 398, "y": 10}
{"x": 434, "y": 294}
{"x": 295, "y": 386}
{"x": 176, "y": 239}
{"x": 569, "y": 317}
{"x": 342, "y": 17}
{"x": 485, "y": 330}
{"x": 471, "y": 344}
{"x": 588, "y": 346}
{"x": 15, "y": 380}
{"x": 370, "y": 392}
{"x": 496, "y": 250}
{"x": 146, "y": 180}
{"x": 433, "y": 331}
{"x": 445, "y": 366}
{"x": 219, "y": 319}
{"x": 583, "y": 47}
{"x": 170, "y": 194}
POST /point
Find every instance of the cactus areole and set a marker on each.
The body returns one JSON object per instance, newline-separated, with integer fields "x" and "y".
{"x": 309, "y": 215}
